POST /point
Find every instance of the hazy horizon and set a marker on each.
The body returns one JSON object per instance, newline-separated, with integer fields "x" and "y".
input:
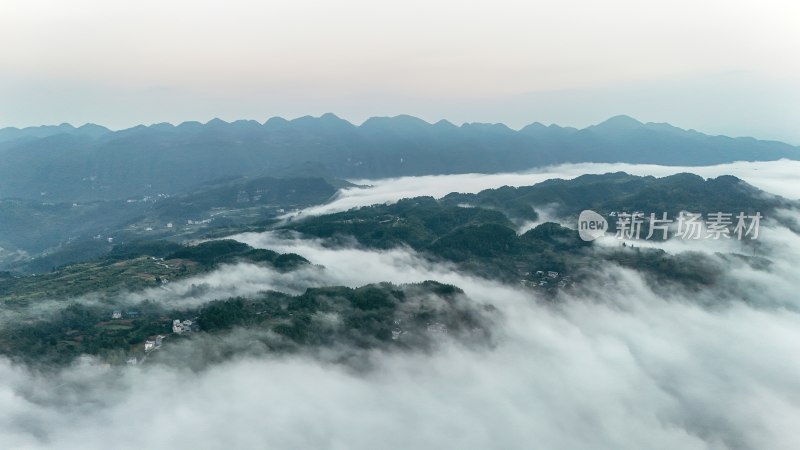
{"x": 360, "y": 123}
{"x": 720, "y": 67}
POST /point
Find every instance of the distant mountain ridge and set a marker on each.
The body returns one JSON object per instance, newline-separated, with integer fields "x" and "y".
{"x": 89, "y": 129}
{"x": 65, "y": 163}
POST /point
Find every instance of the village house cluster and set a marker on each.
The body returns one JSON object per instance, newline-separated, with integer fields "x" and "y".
{"x": 153, "y": 342}
{"x": 545, "y": 279}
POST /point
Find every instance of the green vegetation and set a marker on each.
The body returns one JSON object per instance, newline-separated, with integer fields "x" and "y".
{"x": 483, "y": 241}
{"x": 373, "y": 316}
{"x": 416, "y": 222}
{"x": 102, "y": 276}
{"x": 247, "y": 193}
{"x": 212, "y": 253}
{"x": 155, "y": 248}
{"x": 622, "y": 192}
{"x": 38, "y": 236}
{"x": 79, "y": 329}
{"x": 137, "y": 266}
{"x": 478, "y": 231}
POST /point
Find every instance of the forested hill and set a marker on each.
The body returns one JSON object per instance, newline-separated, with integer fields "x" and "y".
{"x": 420, "y": 221}
{"x": 623, "y": 192}
{"x": 490, "y": 233}
{"x": 64, "y": 163}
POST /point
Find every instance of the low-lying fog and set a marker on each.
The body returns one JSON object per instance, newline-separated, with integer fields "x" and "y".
{"x": 618, "y": 364}
{"x": 776, "y": 177}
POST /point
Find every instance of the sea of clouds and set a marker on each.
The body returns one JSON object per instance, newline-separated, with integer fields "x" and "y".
{"x": 619, "y": 363}
{"x": 775, "y": 177}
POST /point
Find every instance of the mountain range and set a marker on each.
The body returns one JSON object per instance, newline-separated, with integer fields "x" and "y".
{"x": 64, "y": 163}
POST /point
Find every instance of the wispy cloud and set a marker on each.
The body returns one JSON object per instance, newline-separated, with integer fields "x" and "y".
{"x": 619, "y": 364}
{"x": 775, "y": 177}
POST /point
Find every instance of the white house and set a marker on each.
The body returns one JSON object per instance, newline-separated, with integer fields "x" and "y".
{"x": 117, "y": 314}
{"x": 181, "y": 327}
{"x": 149, "y": 345}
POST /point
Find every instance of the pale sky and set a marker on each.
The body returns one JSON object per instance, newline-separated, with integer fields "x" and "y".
{"x": 728, "y": 67}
